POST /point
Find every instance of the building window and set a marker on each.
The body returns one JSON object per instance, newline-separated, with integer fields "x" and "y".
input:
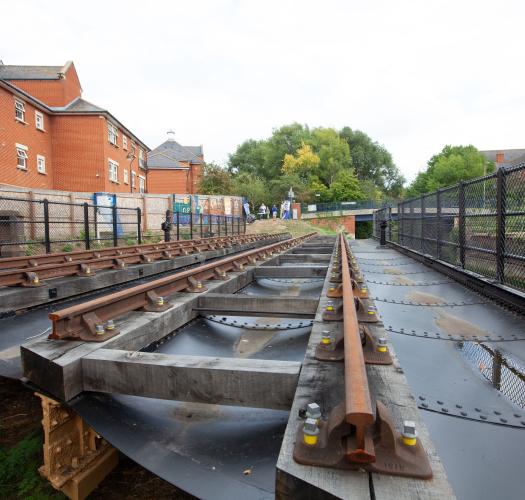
{"x": 126, "y": 179}
{"x": 112, "y": 133}
{"x": 113, "y": 170}
{"x": 133, "y": 179}
{"x": 141, "y": 159}
{"x": 21, "y": 156}
{"x": 142, "y": 184}
{"x": 124, "y": 142}
{"x": 39, "y": 120}
{"x": 20, "y": 111}
{"x": 41, "y": 164}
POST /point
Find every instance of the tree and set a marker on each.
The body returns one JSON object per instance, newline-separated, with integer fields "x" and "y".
{"x": 215, "y": 180}
{"x": 250, "y": 187}
{"x": 346, "y": 187}
{"x": 373, "y": 162}
{"x": 454, "y": 164}
{"x": 334, "y": 153}
{"x": 248, "y": 158}
{"x": 304, "y": 163}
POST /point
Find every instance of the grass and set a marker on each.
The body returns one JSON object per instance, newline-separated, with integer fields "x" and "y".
{"x": 294, "y": 227}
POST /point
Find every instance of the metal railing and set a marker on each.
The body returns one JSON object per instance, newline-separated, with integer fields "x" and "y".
{"x": 186, "y": 226}
{"x": 341, "y": 206}
{"x": 477, "y": 225}
{"x": 33, "y": 227}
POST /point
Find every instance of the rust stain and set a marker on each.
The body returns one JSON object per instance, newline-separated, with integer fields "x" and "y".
{"x": 424, "y": 298}
{"x": 291, "y": 291}
{"x": 403, "y": 281}
{"x": 392, "y": 270}
{"x": 456, "y": 326}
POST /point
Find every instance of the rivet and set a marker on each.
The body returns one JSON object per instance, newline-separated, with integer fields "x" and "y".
{"x": 439, "y": 402}
{"x": 483, "y": 417}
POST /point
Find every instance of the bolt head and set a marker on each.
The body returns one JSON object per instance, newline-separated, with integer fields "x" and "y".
{"x": 381, "y": 341}
{"x": 409, "y": 429}
{"x": 313, "y": 410}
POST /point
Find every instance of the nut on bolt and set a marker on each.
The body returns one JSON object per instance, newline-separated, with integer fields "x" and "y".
{"x": 382, "y": 345}
{"x": 372, "y": 310}
{"x": 310, "y": 432}
{"x": 160, "y": 301}
{"x": 326, "y": 338}
{"x": 110, "y": 325}
{"x": 409, "y": 433}
{"x": 99, "y": 329}
{"x": 330, "y": 306}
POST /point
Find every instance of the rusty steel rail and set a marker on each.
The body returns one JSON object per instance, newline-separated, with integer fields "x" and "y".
{"x": 82, "y": 255}
{"x": 34, "y": 276}
{"x": 358, "y": 403}
{"x": 93, "y": 320}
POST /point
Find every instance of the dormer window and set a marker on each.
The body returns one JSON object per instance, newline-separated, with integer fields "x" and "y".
{"x": 112, "y": 134}
{"x": 20, "y": 111}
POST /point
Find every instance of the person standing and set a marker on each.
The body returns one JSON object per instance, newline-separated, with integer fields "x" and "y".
{"x": 274, "y": 212}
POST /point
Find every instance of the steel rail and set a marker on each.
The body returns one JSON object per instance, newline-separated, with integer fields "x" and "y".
{"x": 89, "y": 320}
{"x": 81, "y": 255}
{"x": 358, "y": 405}
{"x": 33, "y": 276}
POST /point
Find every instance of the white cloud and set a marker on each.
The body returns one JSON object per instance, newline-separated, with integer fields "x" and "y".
{"x": 413, "y": 75}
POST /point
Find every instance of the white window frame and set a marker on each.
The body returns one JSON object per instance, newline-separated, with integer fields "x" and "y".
{"x": 20, "y": 107}
{"x": 141, "y": 158}
{"x": 112, "y": 134}
{"x": 133, "y": 179}
{"x": 39, "y": 116}
{"x": 125, "y": 176}
{"x": 41, "y": 164}
{"x": 142, "y": 184}
{"x": 21, "y": 154}
{"x": 113, "y": 170}
{"x": 124, "y": 142}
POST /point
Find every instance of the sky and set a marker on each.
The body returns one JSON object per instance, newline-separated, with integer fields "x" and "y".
{"x": 414, "y": 75}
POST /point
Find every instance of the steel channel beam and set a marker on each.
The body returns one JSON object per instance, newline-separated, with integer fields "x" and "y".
{"x": 25, "y": 276}
{"x": 79, "y": 321}
{"x": 357, "y": 393}
{"x": 82, "y": 255}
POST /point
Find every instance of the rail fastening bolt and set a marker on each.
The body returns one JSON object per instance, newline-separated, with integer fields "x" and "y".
{"x": 160, "y": 301}
{"x": 330, "y": 306}
{"x": 199, "y": 284}
{"x": 310, "y": 432}
{"x": 382, "y": 345}
{"x": 409, "y": 433}
{"x": 313, "y": 410}
{"x": 326, "y": 338}
{"x": 110, "y": 325}
{"x": 99, "y": 329}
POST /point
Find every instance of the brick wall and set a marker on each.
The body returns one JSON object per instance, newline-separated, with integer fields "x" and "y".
{"x": 168, "y": 181}
{"x": 334, "y": 223}
{"x": 37, "y": 142}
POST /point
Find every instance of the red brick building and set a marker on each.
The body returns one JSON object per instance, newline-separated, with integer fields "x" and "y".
{"x": 173, "y": 168}
{"x": 51, "y": 138}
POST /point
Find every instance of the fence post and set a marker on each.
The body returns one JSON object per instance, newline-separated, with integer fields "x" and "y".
{"x": 139, "y": 224}
{"x": 178, "y": 226}
{"x": 399, "y": 224}
{"x": 423, "y": 225}
{"x": 461, "y": 223}
{"x": 86, "y": 226}
{"x": 233, "y": 225}
{"x": 438, "y": 224}
{"x": 191, "y": 225}
{"x": 166, "y": 226}
{"x": 47, "y": 239}
{"x": 501, "y": 209}
{"x": 238, "y": 225}
{"x": 244, "y": 224}
{"x": 200, "y": 222}
{"x": 219, "y": 225}
{"x": 115, "y": 230}
{"x": 210, "y": 223}
{"x": 497, "y": 358}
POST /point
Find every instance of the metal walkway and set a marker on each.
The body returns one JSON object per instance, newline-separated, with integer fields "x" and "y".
{"x": 443, "y": 335}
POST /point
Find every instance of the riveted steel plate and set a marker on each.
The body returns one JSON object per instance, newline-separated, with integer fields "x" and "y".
{"x": 291, "y": 287}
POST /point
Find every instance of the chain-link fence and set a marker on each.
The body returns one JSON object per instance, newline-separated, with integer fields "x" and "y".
{"x": 503, "y": 372}
{"x": 32, "y": 227}
{"x": 187, "y": 226}
{"x": 477, "y": 225}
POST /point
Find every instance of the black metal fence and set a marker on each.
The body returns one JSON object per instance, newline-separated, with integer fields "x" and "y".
{"x": 186, "y": 226}
{"x": 477, "y": 225}
{"x": 33, "y": 227}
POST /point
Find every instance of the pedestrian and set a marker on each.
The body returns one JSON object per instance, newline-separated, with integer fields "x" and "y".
{"x": 274, "y": 212}
{"x": 262, "y": 211}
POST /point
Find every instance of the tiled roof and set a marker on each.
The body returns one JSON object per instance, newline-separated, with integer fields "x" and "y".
{"x": 510, "y": 155}
{"x": 170, "y": 153}
{"x": 12, "y": 72}
{"x": 81, "y": 106}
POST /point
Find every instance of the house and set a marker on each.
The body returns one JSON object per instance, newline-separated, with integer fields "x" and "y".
{"x": 51, "y": 138}
{"x": 173, "y": 168}
{"x": 505, "y": 157}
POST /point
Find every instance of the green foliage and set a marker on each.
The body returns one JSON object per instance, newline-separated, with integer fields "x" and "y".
{"x": 305, "y": 162}
{"x": 346, "y": 187}
{"x": 19, "y": 477}
{"x": 372, "y": 162}
{"x": 333, "y": 151}
{"x": 251, "y": 187}
{"x": 452, "y": 165}
{"x": 363, "y": 229}
{"x": 68, "y": 247}
{"x": 215, "y": 180}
